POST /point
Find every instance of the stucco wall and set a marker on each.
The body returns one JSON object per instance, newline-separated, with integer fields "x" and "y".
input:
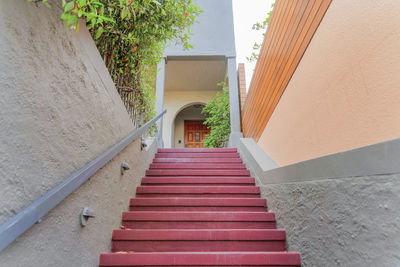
{"x": 351, "y": 221}
{"x": 174, "y": 102}
{"x": 337, "y": 210}
{"x": 59, "y": 109}
{"x": 345, "y": 93}
{"x": 59, "y": 240}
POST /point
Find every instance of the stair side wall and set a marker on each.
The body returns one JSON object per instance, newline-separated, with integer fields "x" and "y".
{"x": 59, "y": 109}
{"x": 338, "y": 210}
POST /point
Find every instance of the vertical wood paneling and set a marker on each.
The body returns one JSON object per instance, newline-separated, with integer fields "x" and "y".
{"x": 292, "y": 25}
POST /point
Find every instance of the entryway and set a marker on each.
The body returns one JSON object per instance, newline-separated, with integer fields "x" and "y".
{"x": 195, "y": 133}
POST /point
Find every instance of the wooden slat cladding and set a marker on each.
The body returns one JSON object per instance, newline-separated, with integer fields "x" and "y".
{"x": 292, "y": 25}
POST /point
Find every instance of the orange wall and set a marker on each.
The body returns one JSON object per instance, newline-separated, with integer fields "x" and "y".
{"x": 289, "y": 32}
{"x": 345, "y": 92}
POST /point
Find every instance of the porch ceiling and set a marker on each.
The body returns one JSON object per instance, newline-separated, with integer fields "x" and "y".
{"x": 194, "y": 74}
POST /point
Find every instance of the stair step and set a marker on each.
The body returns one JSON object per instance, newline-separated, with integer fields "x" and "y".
{"x": 197, "y": 150}
{"x": 198, "y": 204}
{"x": 198, "y": 220}
{"x": 260, "y": 259}
{"x": 229, "y": 181}
{"x": 174, "y": 240}
{"x": 197, "y": 155}
{"x": 166, "y": 172}
{"x": 209, "y": 166}
{"x": 198, "y": 191}
{"x": 198, "y": 160}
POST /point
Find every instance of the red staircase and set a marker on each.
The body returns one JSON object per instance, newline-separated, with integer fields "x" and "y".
{"x": 198, "y": 207}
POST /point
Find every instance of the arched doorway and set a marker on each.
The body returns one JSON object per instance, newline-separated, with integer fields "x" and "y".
{"x": 188, "y": 129}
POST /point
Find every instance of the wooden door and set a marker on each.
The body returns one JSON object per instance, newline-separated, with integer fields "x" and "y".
{"x": 195, "y": 133}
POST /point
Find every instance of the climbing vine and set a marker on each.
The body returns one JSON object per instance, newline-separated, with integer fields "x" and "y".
{"x": 131, "y": 36}
{"x": 218, "y": 119}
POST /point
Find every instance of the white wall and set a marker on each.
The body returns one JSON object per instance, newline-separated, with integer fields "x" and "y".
{"x": 214, "y": 35}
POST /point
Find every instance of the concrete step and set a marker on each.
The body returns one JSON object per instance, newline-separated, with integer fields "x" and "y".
{"x": 197, "y": 150}
{"x": 182, "y": 240}
{"x": 198, "y": 204}
{"x": 198, "y": 220}
{"x": 198, "y": 191}
{"x": 260, "y": 259}
{"x": 209, "y": 166}
{"x": 197, "y": 160}
{"x": 166, "y": 172}
{"x": 190, "y": 180}
{"x": 197, "y": 155}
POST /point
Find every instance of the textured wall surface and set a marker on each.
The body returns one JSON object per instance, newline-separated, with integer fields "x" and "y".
{"x": 59, "y": 240}
{"x": 350, "y": 221}
{"x": 59, "y": 107}
{"x": 345, "y": 92}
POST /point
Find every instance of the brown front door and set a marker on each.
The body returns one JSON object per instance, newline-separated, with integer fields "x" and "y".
{"x": 195, "y": 133}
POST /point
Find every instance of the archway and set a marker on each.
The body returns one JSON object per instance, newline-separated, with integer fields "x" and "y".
{"x": 188, "y": 115}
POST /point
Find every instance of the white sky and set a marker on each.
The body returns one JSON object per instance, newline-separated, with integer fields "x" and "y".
{"x": 245, "y": 14}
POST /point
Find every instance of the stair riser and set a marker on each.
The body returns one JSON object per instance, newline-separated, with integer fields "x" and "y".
{"x": 172, "y": 181}
{"x": 197, "y": 160}
{"x": 209, "y": 166}
{"x": 197, "y": 225}
{"x": 191, "y": 195}
{"x": 197, "y": 190}
{"x": 197, "y": 155}
{"x": 197, "y": 246}
{"x": 197, "y": 150}
{"x": 270, "y": 259}
{"x": 196, "y": 184}
{"x": 163, "y": 208}
{"x": 174, "y": 173}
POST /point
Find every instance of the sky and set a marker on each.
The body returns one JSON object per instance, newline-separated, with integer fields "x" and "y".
{"x": 245, "y": 14}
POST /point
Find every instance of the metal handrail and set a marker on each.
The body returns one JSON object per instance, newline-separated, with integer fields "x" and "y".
{"x": 33, "y": 213}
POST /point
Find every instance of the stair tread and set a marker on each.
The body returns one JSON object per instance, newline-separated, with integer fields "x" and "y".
{"x": 191, "y": 172}
{"x": 198, "y": 180}
{"x": 197, "y": 216}
{"x": 198, "y": 202}
{"x": 196, "y": 150}
{"x": 200, "y": 234}
{"x": 201, "y": 259}
{"x": 197, "y": 160}
{"x": 197, "y": 166}
{"x": 197, "y": 155}
{"x": 197, "y": 189}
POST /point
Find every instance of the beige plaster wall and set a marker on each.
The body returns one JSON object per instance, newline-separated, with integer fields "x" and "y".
{"x": 174, "y": 102}
{"x": 345, "y": 92}
{"x": 59, "y": 109}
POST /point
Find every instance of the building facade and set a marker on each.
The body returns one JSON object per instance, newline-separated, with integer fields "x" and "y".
{"x": 187, "y": 79}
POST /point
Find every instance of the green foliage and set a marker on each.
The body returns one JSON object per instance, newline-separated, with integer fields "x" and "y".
{"x": 218, "y": 119}
{"x": 259, "y": 26}
{"x": 131, "y": 36}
